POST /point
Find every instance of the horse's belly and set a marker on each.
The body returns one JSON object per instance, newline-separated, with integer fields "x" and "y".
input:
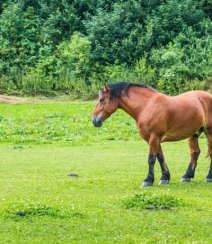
{"x": 181, "y": 135}
{"x": 170, "y": 137}
{"x": 184, "y": 125}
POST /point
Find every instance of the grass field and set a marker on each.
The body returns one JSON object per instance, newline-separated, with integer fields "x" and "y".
{"x": 65, "y": 181}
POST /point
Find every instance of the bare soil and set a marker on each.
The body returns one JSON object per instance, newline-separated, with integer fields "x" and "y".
{"x": 10, "y": 99}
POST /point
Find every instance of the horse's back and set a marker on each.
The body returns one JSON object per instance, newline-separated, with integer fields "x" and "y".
{"x": 204, "y": 98}
{"x": 196, "y": 93}
{"x": 194, "y": 99}
{"x": 186, "y": 114}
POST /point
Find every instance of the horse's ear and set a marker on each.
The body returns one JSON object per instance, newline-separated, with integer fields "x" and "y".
{"x": 106, "y": 88}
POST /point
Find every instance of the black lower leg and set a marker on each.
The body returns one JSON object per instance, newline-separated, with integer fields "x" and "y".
{"x": 194, "y": 152}
{"x": 209, "y": 176}
{"x": 190, "y": 171}
{"x": 150, "y": 176}
{"x": 165, "y": 172}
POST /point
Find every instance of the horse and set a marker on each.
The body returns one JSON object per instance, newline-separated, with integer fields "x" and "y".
{"x": 161, "y": 118}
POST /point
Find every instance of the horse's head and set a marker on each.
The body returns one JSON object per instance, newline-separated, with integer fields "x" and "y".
{"x": 104, "y": 107}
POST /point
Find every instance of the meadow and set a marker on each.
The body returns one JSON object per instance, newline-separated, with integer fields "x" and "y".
{"x": 64, "y": 181}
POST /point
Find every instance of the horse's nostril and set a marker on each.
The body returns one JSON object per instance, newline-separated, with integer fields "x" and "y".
{"x": 94, "y": 122}
{"x": 97, "y": 121}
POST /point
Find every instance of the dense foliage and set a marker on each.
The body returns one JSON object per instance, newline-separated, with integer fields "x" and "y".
{"x": 74, "y": 46}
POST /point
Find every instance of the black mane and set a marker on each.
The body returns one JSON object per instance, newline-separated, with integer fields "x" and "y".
{"x": 117, "y": 88}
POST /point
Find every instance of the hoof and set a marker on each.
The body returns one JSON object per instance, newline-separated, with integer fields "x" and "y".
{"x": 185, "y": 180}
{"x": 208, "y": 180}
{"x": 163, "y": 182}
{"x": 147, "y": 184}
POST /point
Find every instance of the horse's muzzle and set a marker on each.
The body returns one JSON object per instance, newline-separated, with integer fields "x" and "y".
{"x": 97, "y": 121}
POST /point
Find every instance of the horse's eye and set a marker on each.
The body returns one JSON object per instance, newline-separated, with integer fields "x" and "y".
{"x": 101, "y": 100}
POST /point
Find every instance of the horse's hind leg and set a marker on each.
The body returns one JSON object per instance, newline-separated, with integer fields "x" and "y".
{"x": 194, "y": 152}
{"x": 209, "y": 176}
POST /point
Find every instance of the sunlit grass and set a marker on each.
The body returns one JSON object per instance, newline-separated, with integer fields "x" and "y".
{"x": 87, "y": 189}
{"x": 31, "y": 123}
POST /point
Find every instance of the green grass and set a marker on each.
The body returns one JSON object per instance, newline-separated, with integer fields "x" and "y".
{"x": 66, "y": 122}
{"x": 87, "y": 189}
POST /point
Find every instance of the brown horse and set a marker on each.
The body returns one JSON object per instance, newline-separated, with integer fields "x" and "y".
{"x": 161, "y": 118}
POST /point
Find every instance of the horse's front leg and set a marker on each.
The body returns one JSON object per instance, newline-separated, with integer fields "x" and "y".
{"x": 156, "y": 153}
{"x": 150, "y": 177}
{"x": 165, "y": 178}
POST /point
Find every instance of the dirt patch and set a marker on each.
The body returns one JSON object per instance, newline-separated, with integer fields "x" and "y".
{"x": 38, "y": 99}
{"x": 17, "y": 100}
{"x": 10, "y": 99}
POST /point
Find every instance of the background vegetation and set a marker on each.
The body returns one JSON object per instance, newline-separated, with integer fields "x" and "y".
{"x": 73, "y": 46}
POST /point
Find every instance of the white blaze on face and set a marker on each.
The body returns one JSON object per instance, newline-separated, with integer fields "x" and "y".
{"x": 100, "y": 92}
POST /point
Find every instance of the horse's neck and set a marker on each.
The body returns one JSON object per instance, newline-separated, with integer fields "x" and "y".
{"x": 136, "y": 102}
